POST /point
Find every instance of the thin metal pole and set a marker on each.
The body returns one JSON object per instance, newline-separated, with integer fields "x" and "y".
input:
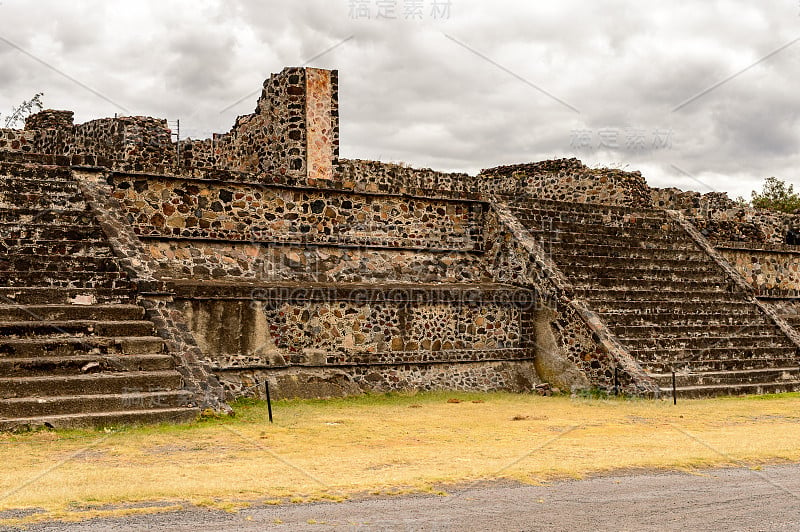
{"x": 269, "y": 401}
{"x": 674, "y": 390}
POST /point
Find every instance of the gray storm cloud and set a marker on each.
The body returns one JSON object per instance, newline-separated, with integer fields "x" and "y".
{"x": 485, "y": 85}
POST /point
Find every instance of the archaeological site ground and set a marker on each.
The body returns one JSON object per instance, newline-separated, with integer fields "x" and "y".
{"x": 145, "y": 278}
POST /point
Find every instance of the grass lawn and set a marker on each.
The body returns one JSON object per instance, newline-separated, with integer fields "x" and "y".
{"x": 389, "y": 444}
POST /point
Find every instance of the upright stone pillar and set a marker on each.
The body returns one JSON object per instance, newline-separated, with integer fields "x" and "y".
{"x": 303, "y": 131}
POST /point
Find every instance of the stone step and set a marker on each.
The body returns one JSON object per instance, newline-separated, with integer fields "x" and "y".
{"x": 87, "y": 247}
{"x": 43, "y": 200}
{"x": 576, "y": 214}
{"x": 57, "y": 263}
{"x": 75, "y": 327}
{"x": 701, "y": 329}
{"x": 77, "y": 346}
{"x": 631, "y": 235}
{"x": 651, "y": 250}
{"x": 699, "y": 342}
{"x": 34, "y": 295}
{"x": 46, "y": 216}
{"x": 75, "y": 279}
{"x": 96, "y": 383}
{"x": 17, "y": 234}
{"x": 91, "y": 404}
{"x": 660, "y": 309}
{"x": 11, "y": 171}
{"x": 626, "y": 293}
{"x": 716, "y": 390}
{"x": 692, "y": 272}
{"x": 686, "y": 286}
{"x": 745, "y": 376}
{"x": 702, "y": 318}
{"x": 83, "y": 364}
{"x": 793, "y": 319}
{"x": 103, "y": 419}
{"x": 52, "y": 160}
{"x": 688, "y": 355}
{"x": 70, "y": 312}
{"x": 630, "y": 265}
{"x": 722, "y": 365}
{"x": 619, "y": 210}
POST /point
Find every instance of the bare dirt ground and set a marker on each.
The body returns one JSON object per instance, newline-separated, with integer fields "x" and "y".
{"x": 740, "y": 499}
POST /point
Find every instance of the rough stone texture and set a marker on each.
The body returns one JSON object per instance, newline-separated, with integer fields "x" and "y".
{"x": 724, "y": 222}
{"x": 17, "y": 141}
{"x": 336, "y": 382}
{"x": 785, "y": 327}
{"x": 375, "y": 176}
{"x": 319, "y": 123}
{"x": 153, "y": 297}
{"x": 769, "y": 272}
{"x": 389, "y": 328}
{"x": 50, "y": 119}
{"x": 336, "y": 263}
{"x": 259, "y": 213}
{"x": 567, "y": 180}
{"x": 76, "y": 349}
{"x": 581, "y": 337}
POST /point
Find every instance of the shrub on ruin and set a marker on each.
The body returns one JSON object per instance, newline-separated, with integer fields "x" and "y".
{"x": 776, "y": 195}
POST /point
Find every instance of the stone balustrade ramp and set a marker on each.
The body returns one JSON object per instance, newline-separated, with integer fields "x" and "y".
{"x": 666, "y": 300}
{"x": 75, "y": 349}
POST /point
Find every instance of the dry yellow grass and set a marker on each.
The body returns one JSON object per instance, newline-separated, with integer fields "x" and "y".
{"x": 392, "y": 444}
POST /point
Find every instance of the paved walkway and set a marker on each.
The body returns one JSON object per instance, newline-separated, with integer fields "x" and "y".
{"x": 720, "y": 499}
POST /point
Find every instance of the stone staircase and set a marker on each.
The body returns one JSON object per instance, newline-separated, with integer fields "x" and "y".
{"x": 667, "y": 302}
{"x": 74, "y": 348}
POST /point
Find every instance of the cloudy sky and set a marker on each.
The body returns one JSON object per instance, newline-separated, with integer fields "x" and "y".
{"x": 700, "y": 95}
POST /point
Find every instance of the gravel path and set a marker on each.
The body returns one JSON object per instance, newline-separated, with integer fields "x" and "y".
{"x": 718, "y": 499}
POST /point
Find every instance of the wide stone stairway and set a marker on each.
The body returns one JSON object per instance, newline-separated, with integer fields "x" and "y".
{"x": 666, "y": 300}
{"x": 74, "y": 348}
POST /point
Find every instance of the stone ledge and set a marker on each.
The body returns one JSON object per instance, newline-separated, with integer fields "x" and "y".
{"x": 398, "y": 358}
{"x": 210, "y": 176}
{"x": 757, "y": 247}
{"x": 332, "y": 242}
{"x": 357, "y": 292}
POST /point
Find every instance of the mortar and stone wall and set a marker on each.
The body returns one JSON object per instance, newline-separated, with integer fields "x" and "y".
{"x": 574, "y": 348}
{"x": 364, "y": 338}
{"x": 750, "y": 239}
{"x": 251, "y": 212}
{"x": 17, "y": 141}
{"x": 567, "y": 180}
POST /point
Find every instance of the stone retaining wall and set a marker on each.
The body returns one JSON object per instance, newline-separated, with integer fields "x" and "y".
{"x": 251, "y": 212}
{"x": 772, "y": 272}
{"x": 17, "y": 141}
{"x": 567, "y": 180}
{"x": 722, "y": 220}
{"x": 371, "y": 337}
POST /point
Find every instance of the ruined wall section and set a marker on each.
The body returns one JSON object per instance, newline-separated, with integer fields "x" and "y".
{"x": 362, "y": 338}
{"x": 17, "y": 141}
{"x": 573, "y": 345}
{"x": 187, "y": 220}
{"x": 567, "y": 180}
{"x": 753, "y": 240}
{"x": 330, "y": 292}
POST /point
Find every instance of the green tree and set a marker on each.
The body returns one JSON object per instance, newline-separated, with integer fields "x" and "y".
{"x": 24, "y": 110}
{"x": 776, "y": 195}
